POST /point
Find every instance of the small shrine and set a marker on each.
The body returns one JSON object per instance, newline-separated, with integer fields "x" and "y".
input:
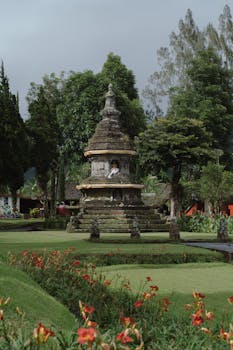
{"x": 110, "y": 197}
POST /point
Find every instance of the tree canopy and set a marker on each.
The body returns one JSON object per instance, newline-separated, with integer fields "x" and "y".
{"x": 13, "y": 139}
{"x": 170, "y": 144}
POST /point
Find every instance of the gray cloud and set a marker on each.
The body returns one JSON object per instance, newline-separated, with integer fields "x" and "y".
{"x": 42, "y": 36}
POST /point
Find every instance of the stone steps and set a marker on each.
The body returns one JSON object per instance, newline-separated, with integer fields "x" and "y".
{"x": 119, "y": 220}
{"x": 119, "y": 230}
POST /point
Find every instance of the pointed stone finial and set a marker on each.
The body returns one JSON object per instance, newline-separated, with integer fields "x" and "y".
{"x": 110, "y": 110}
{"x": 110, "y": 98}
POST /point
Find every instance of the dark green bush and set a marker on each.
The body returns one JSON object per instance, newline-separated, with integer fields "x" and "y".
{"x": 116, "y": 259}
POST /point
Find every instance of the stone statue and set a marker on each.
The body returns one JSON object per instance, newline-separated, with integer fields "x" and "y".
{"x": 135, "y": 232}
{"x": 95, "y": 232}
{"x": 74, "y": 222}
{"x": 114, "y": 170}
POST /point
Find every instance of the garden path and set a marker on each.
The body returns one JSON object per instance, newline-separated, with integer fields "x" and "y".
{"x": 223, "y": 247}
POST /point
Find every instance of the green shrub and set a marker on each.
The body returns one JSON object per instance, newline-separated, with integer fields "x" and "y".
{"x": 202, "y": 223}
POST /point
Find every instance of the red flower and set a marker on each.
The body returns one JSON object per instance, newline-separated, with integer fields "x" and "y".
{"x": 197, "y": 318}
{"x": 24, "y": 253}
{"x": 149, "y": 279}
{"x": 126, "y": 321}
{"x": 76, "y": 263}
{"x": 86, "y": 335}
{"x": 86, "y": 277}
{"x": 198, "y": 295}
{"x": 164, "y": 304}
{"x": 124, "y": 338}
{"x": 230, "y": 300}
{"x": 88, "y": 309}
{"x": 138, "y": 303}
{"x": 54, "y": 252}
{"x": 154, "y": 288}
{"x": 42, "y": 334}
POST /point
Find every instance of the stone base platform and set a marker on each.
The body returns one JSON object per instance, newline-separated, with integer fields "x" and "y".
{"x": 120, "y": 219}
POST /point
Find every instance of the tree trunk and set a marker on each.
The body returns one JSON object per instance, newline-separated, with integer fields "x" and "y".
{"x": 176, "y": 193}
{"x": 61, "y": 180}
{"x": 53, "y": 195}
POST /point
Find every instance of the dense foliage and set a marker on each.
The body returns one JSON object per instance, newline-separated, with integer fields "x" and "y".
{"x": 13, "y": 140}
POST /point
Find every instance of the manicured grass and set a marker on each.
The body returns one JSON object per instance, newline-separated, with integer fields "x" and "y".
{"x": 18, "y": 241}
{"x": 179, "y": 281}
{"x": 38, "y": 305}
{"x": 184, "y": 278}
{"x": 175, "y": 281}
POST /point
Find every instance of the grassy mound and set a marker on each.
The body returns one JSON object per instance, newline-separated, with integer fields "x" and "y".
{"x": 38, "y": 305}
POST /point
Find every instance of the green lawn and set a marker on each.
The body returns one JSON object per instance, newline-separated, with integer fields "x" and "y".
{"x": 178, "y": 282}
{"x": 18, "y": 241}
{"x": 175, "y": 281}
{"x": 38, "y": 305}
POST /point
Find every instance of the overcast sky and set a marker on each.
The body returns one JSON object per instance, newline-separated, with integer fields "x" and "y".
{"x": 38, "y": 37}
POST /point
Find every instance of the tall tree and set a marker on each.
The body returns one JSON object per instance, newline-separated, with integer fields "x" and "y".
{"x": 183, "y": 46}
{"x": 169, "y": 145}
{"x": 83, "y": 99}
{"x": 215, "y": 185}
{"x": 208, "y": 97}
{"x": 13, "y": 140}
{"x": 44, "y": 140}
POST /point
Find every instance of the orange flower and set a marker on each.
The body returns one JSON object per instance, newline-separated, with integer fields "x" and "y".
{"x": 42, "y": 334}
{"x": 230, "y": 300}
{"x": 154, "y": 288}
{"x": 86, "y": 335}
{"x": 107, "y": 283}
{"x": 164, "y": 304}
{"x": 88, "y": 309}
{"x": 188, "y": 307}
{"x": 124, "y": 338}
{"x": 92, "y": 324}
{"x": 126, "y": 321}
{"x": 198, "y": 295}
{"x": 147, "y": 296}
{"x": 209, "y": 316}
{"x": 126, "y": 286}
{"x": 200, "y": 304}
{"x": 225, "y": 335}
{"x": 197, "y": 318}
{"x": 205, "y": 330}
{"x": 138, "y": 303}
{"x": 149, "y": 279}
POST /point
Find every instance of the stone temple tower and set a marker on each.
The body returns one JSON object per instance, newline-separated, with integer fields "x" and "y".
{"x": 109, "y": 195}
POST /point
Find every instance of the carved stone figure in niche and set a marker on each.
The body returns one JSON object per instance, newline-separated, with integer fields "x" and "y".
{"x": 95, "y": 232}
{"x": 114, "y": 169}
{"x": 135, "y": 231}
